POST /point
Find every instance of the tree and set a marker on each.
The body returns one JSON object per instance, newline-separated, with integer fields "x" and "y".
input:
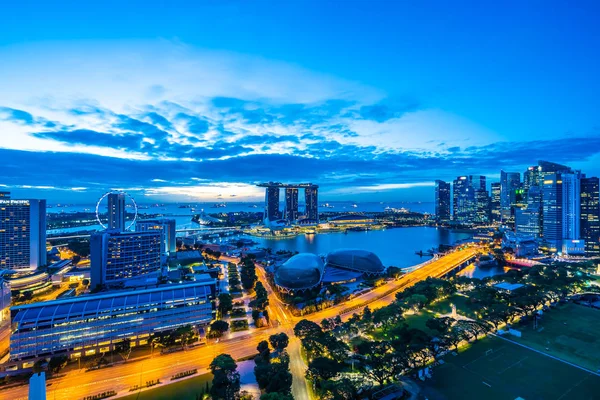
{"x": 217, "y": 328}
{"x": 225, "y": 304}
{"x": 124, "y": 348}
{"x": 280, "y": 377}
{"x": 38, "y": 366}
{"x": 226, "y": 379}
{"x": 306, "y": 328}
{"x": 256, "y": 318}
{"x": 279, "y": 341}
{"x": 342, "y": 389}
{"x": 416, "y": 302}
{"x": 57, "y": 363}
{"x": 323, "y": 368}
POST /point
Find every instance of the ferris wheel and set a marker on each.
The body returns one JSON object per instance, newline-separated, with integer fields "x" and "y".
{"x": 135, "y": 208}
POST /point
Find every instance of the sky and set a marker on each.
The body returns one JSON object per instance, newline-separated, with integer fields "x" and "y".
{"x": 373, "y": 101}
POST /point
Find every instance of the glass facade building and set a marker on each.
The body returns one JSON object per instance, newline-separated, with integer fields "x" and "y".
{"x": 590, "y": 216}
{"x": 272, "y": 203}
{"x": 87, "y": 325}
{"x": 510, "y": 182}
{"x": 495, "y": 202}
{"x": 442, "y": 201}
{"x": 22, "y": 234}
{"x": 119, "y": 256}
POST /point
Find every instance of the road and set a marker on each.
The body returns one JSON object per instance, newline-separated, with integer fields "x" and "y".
{"x": 78, "y": 384}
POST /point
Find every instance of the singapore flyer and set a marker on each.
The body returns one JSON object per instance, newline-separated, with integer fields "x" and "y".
{"x": 131, "y": 200}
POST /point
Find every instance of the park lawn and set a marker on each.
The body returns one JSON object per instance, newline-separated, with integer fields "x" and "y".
{"x": 570, "y": 332}
{"x": 462, "y": 303}
{"x": 494, "y": 369}
{"x": 414, "y": 321}
{"x": 186, "y": 389}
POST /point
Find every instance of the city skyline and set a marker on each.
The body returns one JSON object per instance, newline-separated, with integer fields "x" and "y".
{"x": 194, "y": 112}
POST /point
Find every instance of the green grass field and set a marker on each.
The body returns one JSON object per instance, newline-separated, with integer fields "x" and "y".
{"x": 569, "y": 332}
{"x": 183, "y": 390}
{"x": 463, "y": 306}
{"x": 507, "y": 372}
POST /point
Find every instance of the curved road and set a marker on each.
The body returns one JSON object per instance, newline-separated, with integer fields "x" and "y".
{"x": 120, "y": 377}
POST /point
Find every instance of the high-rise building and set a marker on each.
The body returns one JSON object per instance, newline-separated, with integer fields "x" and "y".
{"x": 464, "y": 207}
{"x": 94, "y": 324}
{"x": 495, "y": 202}
{"x": 22, "y": 234}
{"x": 120, "y": 256}
{"x": 167, "y": 229}
{"x": 561, "y": 210}
{"x": 590, "y": 215}
{"x": 291, "y": 204}
{"x": 509, "y": 184}
{"x": 477, "y": 182}
{"x": 4, "y": 315}
{"x": 442, "y": 201}
{"x": 116, "y": 211}
{"x": 311, "y": 198}
{"x": 272, "y": 203}
{"x": 528, "y": 218}
{"x": 482, "y": 206}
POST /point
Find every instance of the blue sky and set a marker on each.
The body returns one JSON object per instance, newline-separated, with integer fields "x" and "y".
{"x": 372, "y": 100}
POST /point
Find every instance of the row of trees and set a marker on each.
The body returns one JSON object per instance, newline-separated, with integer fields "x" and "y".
{"x": 381, "y": 345}
{"x": 248, "y": 270}
{"x": 272, "y": 367}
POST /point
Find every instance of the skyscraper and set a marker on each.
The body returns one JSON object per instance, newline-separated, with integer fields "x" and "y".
{"x": 528, "y": 219}
{"x": 22, "y": 234}
{"x": 509, "y": 183}
{"x": 119, "y": 256}
{"x": 442, "y": 201}
{"x": 291, "y": 204}
{"x": 463, "y": 201}
{"x": 272, "y": 203}
{"x": 495, "y": 202}
{"x": 482, "y": 206}
{"x": 590, "y": 216}
{"x": 167, "y": 229}
{"x": 116, "y": 211}
{"x": 311, "y": 198}
{"x": 561, "y": 210}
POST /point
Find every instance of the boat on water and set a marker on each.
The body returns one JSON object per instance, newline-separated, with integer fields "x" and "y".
{"x": 354, "y": 205}
{"x": 311, "y": 232}
{"x": 253, "y": 206}
{"x": 327, "y": 205}
{"x": 219, "y": 205}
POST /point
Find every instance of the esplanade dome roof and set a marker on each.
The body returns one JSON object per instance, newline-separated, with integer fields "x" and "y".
{"x": 302, "y": 271}
{"x": 356, "y": 260}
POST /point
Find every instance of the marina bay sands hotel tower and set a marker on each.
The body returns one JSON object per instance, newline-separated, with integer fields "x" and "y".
{"x": 290, "y": 212}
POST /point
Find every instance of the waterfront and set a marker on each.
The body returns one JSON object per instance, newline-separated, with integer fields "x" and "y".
{"x": 395, "y": 246}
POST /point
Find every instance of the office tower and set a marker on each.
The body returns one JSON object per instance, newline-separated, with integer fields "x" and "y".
{"x": 272, "y": 203}
{"x": 22, "y": 234}
{"x": 464, "y": 207}
{"x": 477, "y": 182}
{"x": 495, "y": 202}
{"x": 590, "y": 216}
{"x": 94, "y": 324}
{"x": 509, "y": 183}
{"x": 4, "y": 195}
{"x": 291, "y": 204}
{"x": 442, "y": 201}
{"x": 531, "y": 177}
{"x": 120, "y": 256}
{"x": 528, "y": 218}
{"x": 545, "y": 168}
{"x": 167, "y": 229}
{"x": 4, "y": 316}
{"x": 482, "y": 206}
{"x": 116, "y": 211}
{"x": 561, "y": 211}
{"x": 311, "y": 198}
